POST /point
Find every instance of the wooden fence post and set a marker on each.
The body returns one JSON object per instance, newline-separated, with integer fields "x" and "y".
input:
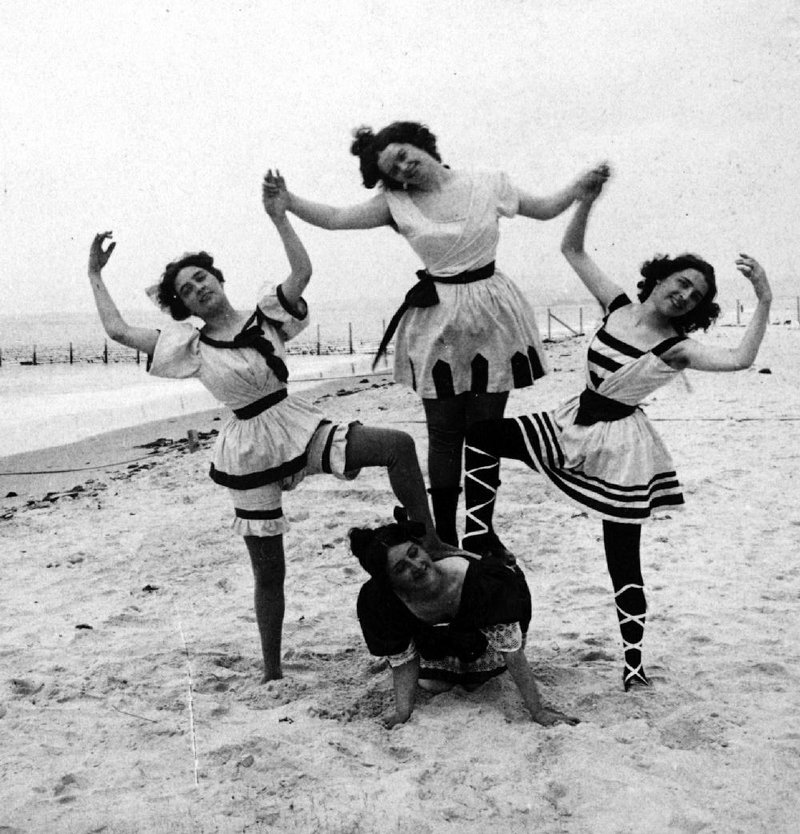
{"x": 319, "y": 346}
{"x": 105, "y": 351}
{"x": 350, "y": 335}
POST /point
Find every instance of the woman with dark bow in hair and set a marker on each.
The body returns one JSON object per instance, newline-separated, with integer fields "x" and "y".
{"x": 457, "y": 620}
{"x": 272, "y": 440}
{"x": 465, "y": 334}
{"x": 598, "y": 449}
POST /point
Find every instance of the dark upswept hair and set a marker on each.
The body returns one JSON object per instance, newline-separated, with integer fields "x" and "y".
{"x": 367, "y": 146}
{"x": 660, "y": 267}
{"x": 371, "y": 547}
{"x": 168, "y": 299}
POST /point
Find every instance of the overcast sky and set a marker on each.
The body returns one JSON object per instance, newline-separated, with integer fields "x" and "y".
{"x": 158, "y": 120}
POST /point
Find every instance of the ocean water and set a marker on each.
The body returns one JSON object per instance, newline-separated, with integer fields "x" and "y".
{"x": 54, "y": 402}
{"x": 49, "y": 405}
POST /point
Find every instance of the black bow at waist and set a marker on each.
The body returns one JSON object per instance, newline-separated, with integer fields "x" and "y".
{"x": 595, "y": 408}
{"x": 423, "y": 294}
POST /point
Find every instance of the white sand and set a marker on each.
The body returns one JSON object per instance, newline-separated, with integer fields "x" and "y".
{"x": 153, "y": 719}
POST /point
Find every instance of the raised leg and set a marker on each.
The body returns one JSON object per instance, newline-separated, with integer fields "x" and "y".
{"x": 269, "y": 572}
{"x": 622, "y": 546}
{"x": 369, "y": 446}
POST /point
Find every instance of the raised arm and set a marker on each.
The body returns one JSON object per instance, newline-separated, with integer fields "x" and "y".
{"x": 700, "y": 357}
{"x": 367, "y": 215}
{"x": 595, "y": 280}
{"x": 139, "y": 338}
{"x": 550, "y": 206}
{"x": 275, "y": 199}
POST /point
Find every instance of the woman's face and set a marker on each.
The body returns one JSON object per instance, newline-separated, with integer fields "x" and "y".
{"x": 409, "y": 568}
{"x": 405, "y": 163}
{"x": 679, "y": 293}
{"x": 199, "y": 290}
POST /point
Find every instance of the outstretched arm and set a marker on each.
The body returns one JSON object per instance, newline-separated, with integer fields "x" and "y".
{"x": 700, "y": 357}
{"x": 595, "y": 280}
{"x": 523, "y": 677}
{"x": 140, "y": 338}
{"x": 367, "y": 215}
{"x": 546, "y": 208}
{"x": 275, "y": 200}
{"x": 405, "y": 679}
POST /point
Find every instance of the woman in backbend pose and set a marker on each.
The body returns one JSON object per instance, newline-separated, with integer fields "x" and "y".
{"x": 599, "y": 449}
{"x": 458, "y": 620}
{"x": 272, "y": 440}
{"x": 465, "y": 333}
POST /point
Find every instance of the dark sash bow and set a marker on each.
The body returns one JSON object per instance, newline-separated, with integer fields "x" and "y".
{"x": 253, "y": 337}
{"x": 423, "y": 294}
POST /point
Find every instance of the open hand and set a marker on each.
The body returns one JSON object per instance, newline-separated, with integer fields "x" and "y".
{"x": 754, "y": 272}
{"x": 547, "y": 717}
{"x": 98, "y": 257}
{"x": 274, "y": 194}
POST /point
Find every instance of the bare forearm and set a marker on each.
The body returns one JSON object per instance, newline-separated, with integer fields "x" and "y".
{"x": 110, "y": 317}
{"x": 317, "y": 214}
{"x": 754, "y": 334}
{"x": 296, "y": 254}
{"x": 548, "y": 207}
{"x": 523, "y": 677}
{"x": 575, "y": 233}
{"x": 405, "y": 679}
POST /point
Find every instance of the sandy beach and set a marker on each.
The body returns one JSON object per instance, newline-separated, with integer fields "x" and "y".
{"x": 130, "y": 697}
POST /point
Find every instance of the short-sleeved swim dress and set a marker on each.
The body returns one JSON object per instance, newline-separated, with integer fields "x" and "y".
{"x": 482, "y": 336}
{"x": 256, "y": 457}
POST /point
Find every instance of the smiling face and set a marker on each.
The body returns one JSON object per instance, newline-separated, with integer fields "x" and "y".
{"x": 409, "y": 568}
{"x": 405, "y": 163}
{"x": 199, "y": 290}
{"x": 679, "y": 293}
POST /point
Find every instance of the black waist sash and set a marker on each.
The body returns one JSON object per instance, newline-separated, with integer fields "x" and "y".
{"x": 423, "y": 294}
{"x": 248, "y": 411}
{"x": 595, "y": 408}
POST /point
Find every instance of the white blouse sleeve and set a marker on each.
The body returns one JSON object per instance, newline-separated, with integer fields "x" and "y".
{"x": 506, "y": 195}
{"x": 177, "y": 354}
{"x": 289, "y": 320}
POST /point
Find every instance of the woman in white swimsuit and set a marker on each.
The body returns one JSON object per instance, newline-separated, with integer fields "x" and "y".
{"x": 466, "y": 335}
{"x": 598, "y": 449}
{"x": 272, "y": 440}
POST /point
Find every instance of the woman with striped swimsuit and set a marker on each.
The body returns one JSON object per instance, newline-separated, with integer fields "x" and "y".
{"x": 598, "y": 449}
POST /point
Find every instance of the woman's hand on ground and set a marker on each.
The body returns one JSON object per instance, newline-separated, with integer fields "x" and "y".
{"x": 98, "y": 257}
{"x": 548, "y": 717}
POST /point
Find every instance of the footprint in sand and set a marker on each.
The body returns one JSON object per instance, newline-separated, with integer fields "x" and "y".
{"x": 23, "y": 687}
{"x": 690, "y": 732}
